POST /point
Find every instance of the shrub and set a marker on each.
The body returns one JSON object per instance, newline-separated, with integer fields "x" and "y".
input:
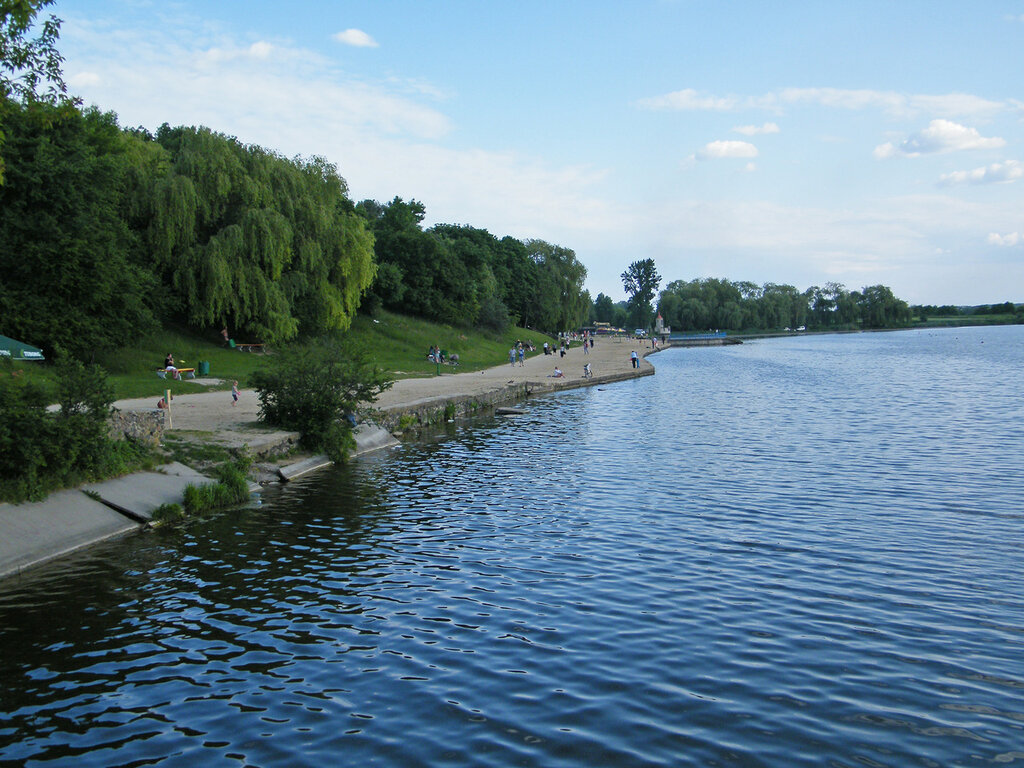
{"x": 313, "y": 387}
{"x": 41, "y": 451}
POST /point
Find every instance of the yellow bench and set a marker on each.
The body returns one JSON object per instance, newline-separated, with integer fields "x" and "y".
{"x": 189, "y": 372}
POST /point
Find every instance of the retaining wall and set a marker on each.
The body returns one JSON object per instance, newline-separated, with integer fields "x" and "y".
{"x": 145, "y": 427}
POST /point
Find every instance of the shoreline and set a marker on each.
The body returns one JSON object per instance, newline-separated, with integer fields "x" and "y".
{"x": 33, "y": 534}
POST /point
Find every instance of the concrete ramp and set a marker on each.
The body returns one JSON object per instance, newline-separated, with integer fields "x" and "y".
{"x": 302, "y": 467}
{"x": 65, "y": 521}
{"x": 370, "y": 437}
{"x": 139, "y": 494}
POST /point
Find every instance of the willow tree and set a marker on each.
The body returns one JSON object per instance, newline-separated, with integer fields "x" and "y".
{"x": 265, "y": 245}
{"x": 561, "y": 303}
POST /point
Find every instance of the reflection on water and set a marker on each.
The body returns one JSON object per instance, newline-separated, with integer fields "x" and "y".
{"x": 799, "y": 551}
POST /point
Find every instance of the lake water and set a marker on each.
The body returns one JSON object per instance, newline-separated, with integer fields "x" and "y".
{"x": 799, "y": 551}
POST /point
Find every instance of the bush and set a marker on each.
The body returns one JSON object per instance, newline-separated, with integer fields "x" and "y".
{"x": 312, "y": 388}
{"x": 41, "y": 450}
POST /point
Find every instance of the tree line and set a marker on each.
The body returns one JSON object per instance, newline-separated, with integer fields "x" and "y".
{"x": 107, "y": 232}
{"x": 718, "y": 304}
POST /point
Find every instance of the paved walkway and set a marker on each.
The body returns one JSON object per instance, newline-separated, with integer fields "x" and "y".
{"x": 236, "y": 425}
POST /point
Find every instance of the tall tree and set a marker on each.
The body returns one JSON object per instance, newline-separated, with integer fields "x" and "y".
{"x": 65, "y": 250}
{"x": 27, "y": 63}
{"x": 641, "y": 281}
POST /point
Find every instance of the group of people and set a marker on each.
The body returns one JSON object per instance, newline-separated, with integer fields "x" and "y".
{"x": 517, "y": 352}
{"x": 437, "y": 355}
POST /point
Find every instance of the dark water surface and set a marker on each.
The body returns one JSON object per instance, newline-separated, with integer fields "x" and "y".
{"x": 802, "y": 551}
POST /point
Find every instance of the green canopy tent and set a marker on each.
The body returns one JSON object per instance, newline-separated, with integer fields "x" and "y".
{"x": 19, "y": 350}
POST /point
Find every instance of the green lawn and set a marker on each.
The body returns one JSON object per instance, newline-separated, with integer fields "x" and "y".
{"x": 398, "y": 344}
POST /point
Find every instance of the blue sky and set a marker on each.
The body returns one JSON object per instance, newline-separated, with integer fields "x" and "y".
{"x": 790, "y": 142}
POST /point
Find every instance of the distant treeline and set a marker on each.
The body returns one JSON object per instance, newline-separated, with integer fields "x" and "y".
{"x": 106, "y": 233}
{"x": 713, "y": 303}
{"x": 924, "y": 311}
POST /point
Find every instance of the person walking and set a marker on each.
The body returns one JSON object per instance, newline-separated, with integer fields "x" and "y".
{"x": 522, "y": 356}
{"x": 234, "y": 393}
{"x": 512, "y": 357}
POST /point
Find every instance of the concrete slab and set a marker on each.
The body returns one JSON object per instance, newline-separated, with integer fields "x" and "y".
{"x": 177, "y": 469}
{"x": 139, "y": 494}
{"x": 370, "y": 437}
{"x": 302, "y": 467}
{"x": 67, "y": 520}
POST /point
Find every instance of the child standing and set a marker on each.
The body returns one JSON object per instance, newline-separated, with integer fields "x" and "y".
{"x": 234, "y": 393}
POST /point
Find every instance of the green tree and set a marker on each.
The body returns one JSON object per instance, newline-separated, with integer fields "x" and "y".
{"x": 604, "y": 308}
{"x": 559, "y": 303}
{"x": 268, "y": 246}
{"x": 641, "y": 281}
{"x": 69, "y": 278}
{"x": 313, "y": 388}
{"x": 879, "y": 308}
{"x": 27, "y": 63}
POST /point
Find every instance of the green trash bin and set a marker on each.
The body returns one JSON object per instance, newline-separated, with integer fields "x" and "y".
{"x": 204, "y": 367}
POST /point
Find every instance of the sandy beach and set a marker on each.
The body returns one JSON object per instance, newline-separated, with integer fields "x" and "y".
{"x": 213, "y": 411}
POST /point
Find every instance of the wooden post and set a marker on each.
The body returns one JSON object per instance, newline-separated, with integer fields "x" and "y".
{"x": 167, "y": 399}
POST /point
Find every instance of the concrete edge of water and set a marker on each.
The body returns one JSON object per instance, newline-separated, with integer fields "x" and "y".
{"x": 35, "y": 533}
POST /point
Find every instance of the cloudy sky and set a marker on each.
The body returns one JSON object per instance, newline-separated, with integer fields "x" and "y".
{"x": 791, "y": 142}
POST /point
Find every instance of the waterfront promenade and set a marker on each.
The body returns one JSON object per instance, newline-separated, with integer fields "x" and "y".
{"x": 212, "y": 412}
{"x": 31, "y": 534}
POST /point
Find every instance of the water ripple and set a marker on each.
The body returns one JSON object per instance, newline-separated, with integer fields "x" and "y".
{"x": 798, "y": 552}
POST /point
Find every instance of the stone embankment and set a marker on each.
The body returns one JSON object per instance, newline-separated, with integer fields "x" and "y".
{"x": 34, "y": 533}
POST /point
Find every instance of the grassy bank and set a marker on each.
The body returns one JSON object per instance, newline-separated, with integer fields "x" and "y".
{"x": 398, "y": 344}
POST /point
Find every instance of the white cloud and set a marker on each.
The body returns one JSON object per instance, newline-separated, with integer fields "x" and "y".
{"x": 891, "y": 102}
{"x": 689, "y": 99}
{"x": 754, "y": 130}
{"x": 1010, "y": 239}
{"x": 83, "y": 79}
{"x": 258, "y": 51}
{"x": 883, "y": 151}
{"x": 261, "y": 50}
{"x": 1004, "y": 172}
{"x": 940, "y": 136}
{"x": 356, "y": 37}
{"x": 726, "y": 149}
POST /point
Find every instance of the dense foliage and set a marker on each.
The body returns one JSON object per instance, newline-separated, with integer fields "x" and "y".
{"x": 41, "y": 450}
{"x": 70, "y": 275}
{"x": 105, "y": 232}
{"x": 466, "y": 276}
{"x": 27, "y": 63}
{"x": 711, "y": 303}
{"x": 314, "y": 388}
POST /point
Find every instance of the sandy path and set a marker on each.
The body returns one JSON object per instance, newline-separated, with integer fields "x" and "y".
{"x": 213, "y": 411}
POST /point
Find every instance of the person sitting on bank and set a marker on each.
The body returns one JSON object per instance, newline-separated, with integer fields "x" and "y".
{"x": 558, "y": 373}
{"x": 169, "y": 365}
